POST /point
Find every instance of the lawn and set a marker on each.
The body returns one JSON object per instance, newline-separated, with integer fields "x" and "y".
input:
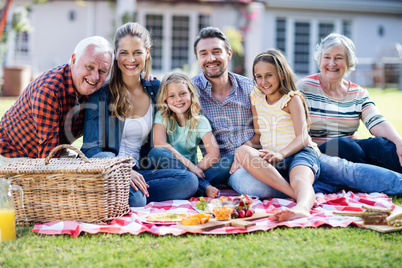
{"x": 280, "y": 247}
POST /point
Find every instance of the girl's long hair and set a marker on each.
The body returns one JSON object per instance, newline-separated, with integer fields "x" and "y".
{"x": 120, "y": 104}
{"x": 169, "y": 120}
{"x": 285, "y": 73}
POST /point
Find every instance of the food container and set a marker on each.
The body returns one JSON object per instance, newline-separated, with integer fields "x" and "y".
{"x": 223, "y": 212}
{"x": 92, "y": 190}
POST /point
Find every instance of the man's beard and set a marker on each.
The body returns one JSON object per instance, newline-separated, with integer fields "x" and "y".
{"x": 207, "y": 74}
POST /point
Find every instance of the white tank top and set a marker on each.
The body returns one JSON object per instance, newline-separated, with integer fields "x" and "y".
{"x": 135, "y": 131}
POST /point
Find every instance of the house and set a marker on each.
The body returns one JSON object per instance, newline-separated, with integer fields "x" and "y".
{"x": 294, "y": 26}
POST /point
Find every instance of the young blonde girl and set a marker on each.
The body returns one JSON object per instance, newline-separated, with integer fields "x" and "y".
{"x": 280, "y": 119}
{"x": 179, "y": 128}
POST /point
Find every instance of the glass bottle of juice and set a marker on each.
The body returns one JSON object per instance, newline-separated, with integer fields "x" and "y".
{"x": 7, "y": 211}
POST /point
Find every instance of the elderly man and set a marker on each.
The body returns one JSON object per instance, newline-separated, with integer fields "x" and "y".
{"x": 48, "y": 112}
{"x": 224, "y": 98}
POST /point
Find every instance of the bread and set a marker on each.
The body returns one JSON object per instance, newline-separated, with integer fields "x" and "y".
{"x": 375, "y": 215}
{"x": 376, "y": 218}
{"x": 376, "y": 209}
{"x": 395, "y": 219}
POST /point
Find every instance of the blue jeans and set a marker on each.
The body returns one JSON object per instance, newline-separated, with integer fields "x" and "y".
{"x": 376, "y": 151}
{"x": 244, "y": 183}
{"x": 305, "y": 157}
{"x": 166, "y": 184}
{"x": 216, "y": 175}
{"x": 334, "y": 172}
{"x": 359, "y": 176}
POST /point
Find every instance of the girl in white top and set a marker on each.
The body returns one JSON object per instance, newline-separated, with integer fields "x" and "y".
{"x": 281, "y": 120}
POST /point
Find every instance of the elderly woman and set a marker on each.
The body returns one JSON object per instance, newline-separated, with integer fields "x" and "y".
{"x": 337, "y": 105}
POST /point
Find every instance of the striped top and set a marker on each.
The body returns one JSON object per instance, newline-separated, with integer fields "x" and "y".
{"x": 331, "y": 118}
{"x": 275, "y": 125}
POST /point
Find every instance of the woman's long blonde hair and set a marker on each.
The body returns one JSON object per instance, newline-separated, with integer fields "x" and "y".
{"x": 119, "y": 103}
{"x": 285, "y": 73}
{"x": 169, "y": 120}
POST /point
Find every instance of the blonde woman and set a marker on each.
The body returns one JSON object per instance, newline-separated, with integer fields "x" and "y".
{"x": 119, "y": 120}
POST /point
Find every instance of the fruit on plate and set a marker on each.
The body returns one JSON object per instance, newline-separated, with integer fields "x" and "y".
{"x": 211, "y": 205}
{"x": 223, "y": 213}
{"x": 235, "y": 214}
{"x": 249, "y": 212}
{"x": 195, "y": 219}
{"x": 201, "y": 204}
{"x": 240, "y": 202}
{"x": 241, "y": 213}
{"x": 190, "y": 221}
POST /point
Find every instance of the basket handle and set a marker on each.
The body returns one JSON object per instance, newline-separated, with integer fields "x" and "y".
{"x": 65, "y": 146}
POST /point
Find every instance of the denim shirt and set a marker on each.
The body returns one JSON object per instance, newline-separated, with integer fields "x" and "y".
{"x": 232, "y": 120}
{"x": 102, "y": 130}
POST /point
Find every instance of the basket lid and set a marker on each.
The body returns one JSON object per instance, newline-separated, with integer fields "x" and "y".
{"x": 62, "y": 165}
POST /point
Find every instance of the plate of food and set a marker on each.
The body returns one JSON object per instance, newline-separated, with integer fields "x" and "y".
{"x": 163, "y": 218}
{"x": 238, "y": 202}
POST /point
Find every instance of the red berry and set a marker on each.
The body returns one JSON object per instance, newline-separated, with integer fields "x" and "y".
{"x": 241, "y": 213}
{"x": 241, "y": 203}
{"x": 249, "y": 213}
{"x": 249, "y": 202}
{"x": 235, "y": 214}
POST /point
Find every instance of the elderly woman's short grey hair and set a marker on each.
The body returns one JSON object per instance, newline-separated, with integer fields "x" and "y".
{"x": 333, "y": 40}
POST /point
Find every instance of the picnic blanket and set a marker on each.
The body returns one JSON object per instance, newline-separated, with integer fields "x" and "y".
{"x": 322, "y": 214}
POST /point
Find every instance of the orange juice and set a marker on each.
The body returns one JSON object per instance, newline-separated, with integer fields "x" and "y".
{"x": 7, "y": 224}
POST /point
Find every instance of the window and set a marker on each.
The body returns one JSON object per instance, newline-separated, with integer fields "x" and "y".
{"x": 180, "y": 41}
{"x": 324, "y": 29}
{"x": 154, "y": 23}
{"x": 203, "y": 21}
{"x": 296, "y": 41}
{"x": 281, "y": 34}
{"x": 347, "y": 28}
{"x": 22, "y": 44}
{"x": 302, "y": 48}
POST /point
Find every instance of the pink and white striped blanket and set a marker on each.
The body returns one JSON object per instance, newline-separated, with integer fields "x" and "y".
{"x": 322, "y": 214}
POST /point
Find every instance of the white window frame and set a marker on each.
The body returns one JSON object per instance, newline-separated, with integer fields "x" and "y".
{"x": 167, "y": 34}
{"x": 314, "y": 39}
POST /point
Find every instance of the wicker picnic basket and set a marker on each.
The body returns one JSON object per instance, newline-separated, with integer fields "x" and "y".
{"x": 92, "y": 190}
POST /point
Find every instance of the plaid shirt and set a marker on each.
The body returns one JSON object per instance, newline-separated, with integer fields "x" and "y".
{"x": 44, "y": 116}
{"x": 232, "y": 120}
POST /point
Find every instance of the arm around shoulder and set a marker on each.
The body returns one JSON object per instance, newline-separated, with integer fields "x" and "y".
{"x": 94, "y": 124}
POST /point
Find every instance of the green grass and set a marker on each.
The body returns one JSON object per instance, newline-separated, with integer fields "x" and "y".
{"x": 280, "y": 247}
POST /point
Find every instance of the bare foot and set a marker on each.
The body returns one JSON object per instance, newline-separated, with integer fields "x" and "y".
{"x": 275, "y": 216}
{"x": 290, "y": 214}
{"x": 211, "y": 191}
